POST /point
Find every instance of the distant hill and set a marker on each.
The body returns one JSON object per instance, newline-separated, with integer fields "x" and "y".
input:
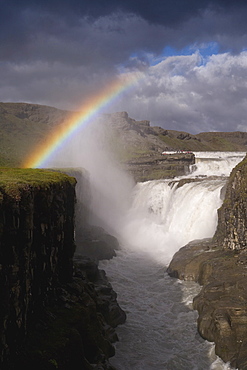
{"x": 23, "y": 126}
{"x": 138, "y": 138}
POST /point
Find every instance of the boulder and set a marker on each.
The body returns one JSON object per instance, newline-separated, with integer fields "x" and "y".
{"x": 96, "y": 243}
{"x": 221, "y": 303}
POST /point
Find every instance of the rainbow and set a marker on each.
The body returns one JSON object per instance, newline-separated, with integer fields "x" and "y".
{"x": 90, "y": 110}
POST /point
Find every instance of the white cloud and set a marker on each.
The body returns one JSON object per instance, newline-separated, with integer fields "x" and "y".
{"x": 184, "y": 93}
{"x": 57, "y": 57}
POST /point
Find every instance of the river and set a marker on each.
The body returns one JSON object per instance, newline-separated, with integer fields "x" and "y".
{"x": 160, "y": 332}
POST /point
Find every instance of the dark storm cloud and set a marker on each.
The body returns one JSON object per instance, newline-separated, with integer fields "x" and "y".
{"x": 171, "y": 14}
{"x": 57, "y": 52}
{"x": 156, "y": 11}
{"x": 42, "y": 29}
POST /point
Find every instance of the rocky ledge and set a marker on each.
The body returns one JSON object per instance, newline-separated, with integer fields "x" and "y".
{"x": 160, "y": 166}
{"x": 222, "y": 302}
{"x": 220, "y": 266}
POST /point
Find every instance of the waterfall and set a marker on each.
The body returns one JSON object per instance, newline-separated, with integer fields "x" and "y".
{"x": 167, "y": 214}
{"x": 152, "y": 220}
{"x": 160, "y": 332}
{"x": 164, "y": 216}
{"x": 216, "y": 163}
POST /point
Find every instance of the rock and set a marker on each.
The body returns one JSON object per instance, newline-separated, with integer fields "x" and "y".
{"x": 76, "y": 331}
{"x": 36, "y": 247}
{"x": 160, "y": 166}
{"x": 55, "y": 313}
{"x": 186, "y": 264}
{"x": 96, "y": 243}
{"x": 220, "y": 266}
{"x": 231, "y": 232}
{"x": 221, "y": 304}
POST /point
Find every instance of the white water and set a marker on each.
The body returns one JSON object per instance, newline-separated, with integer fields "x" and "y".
{"x": 152, "y": 221}
{"x": 160, "y": 332}
{"x": 216, "y": 163}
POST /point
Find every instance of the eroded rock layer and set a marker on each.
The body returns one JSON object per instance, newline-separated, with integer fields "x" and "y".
{"x": 220, "y": 266}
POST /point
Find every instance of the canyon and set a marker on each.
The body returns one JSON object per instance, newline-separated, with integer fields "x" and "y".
{"x": 219, "y": 265}
{"x": 51, "y": 285}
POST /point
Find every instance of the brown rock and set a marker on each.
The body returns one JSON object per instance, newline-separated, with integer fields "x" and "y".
{"x": 221, "y": 304}
{"x": 220, "y": 265}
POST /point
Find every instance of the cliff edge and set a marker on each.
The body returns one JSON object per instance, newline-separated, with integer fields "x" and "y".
{"x": 220, "y": 266}
{"x": 55, "y": 313}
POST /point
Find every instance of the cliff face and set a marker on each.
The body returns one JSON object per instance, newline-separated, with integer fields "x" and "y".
{"x": 232, "y": 225}
{"x": 55, "y": 313}
{"x": 160, "y": 166}
{"x": 220, "y": 266}
{"x": 36, "y": 247}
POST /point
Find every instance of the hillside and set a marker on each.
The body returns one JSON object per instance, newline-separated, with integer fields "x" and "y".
{"x": 137, "y": 138}
{"x": 23, "y": 126}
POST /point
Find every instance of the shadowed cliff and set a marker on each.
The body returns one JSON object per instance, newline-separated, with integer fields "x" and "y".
{"x": 55, "y": 313}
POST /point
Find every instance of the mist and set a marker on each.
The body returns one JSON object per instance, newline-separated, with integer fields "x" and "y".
{"x": 154, "y": 217}
{"x": 110, "y": 186}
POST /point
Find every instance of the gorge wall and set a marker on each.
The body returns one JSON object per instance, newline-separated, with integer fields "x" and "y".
{"x": 232, "y": 225}
{"x": 160, "y": 166}
{"x": 54, "y": 313}
{"x": 220, "y": 266}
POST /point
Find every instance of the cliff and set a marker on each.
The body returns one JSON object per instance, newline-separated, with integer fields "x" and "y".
{"x": 54, "y": 313}
{"x": 160, "y": 166}
{"x": 219, "y": 265}
{"x": 24, "y": 126}
{"x": 139, "y": 147}
{"x": 231, "y": 232}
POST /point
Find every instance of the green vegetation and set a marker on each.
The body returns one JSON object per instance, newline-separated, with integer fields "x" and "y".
{"x": 23, "y": 127}
{"x": 133, "y": 154}
{"x": 158, "y": 174}
{"x": 225, "y": 141}
{"x": 14, "y": 180}
{"x": 177, "y": 144}
{"x": 207, "y": 141}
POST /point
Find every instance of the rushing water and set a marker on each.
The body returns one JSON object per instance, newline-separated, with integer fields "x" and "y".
{"x": 152, "y": 221}
{"x": 160, "y": 332}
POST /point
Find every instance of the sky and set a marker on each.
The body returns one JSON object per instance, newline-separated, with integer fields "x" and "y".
{"x": 190, "y": 58}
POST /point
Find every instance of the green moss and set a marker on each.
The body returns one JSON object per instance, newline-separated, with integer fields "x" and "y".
{"x": 15, "y": 180}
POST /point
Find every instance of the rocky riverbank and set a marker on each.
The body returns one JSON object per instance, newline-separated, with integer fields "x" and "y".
{"x": 220, "y": 266}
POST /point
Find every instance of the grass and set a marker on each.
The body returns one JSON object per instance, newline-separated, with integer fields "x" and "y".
{"x": 158, "y": 174}
{"x": 14, "y": 180}
{"x": 23, "y": 127}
